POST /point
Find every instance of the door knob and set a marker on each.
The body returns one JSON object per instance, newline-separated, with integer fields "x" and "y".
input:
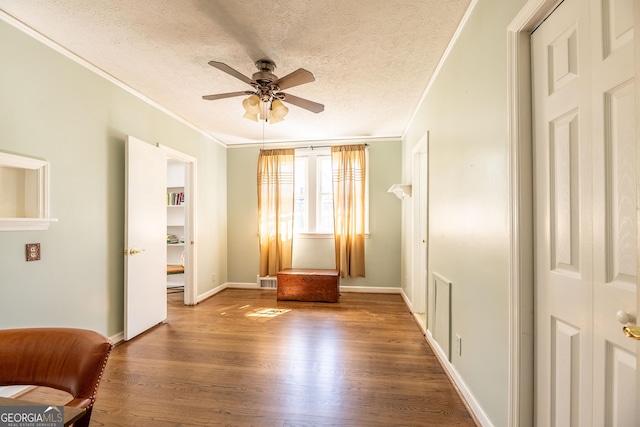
{"x": 632, "y": 331}
{"x": 135, "y": 251}
{"x": 624, "y": 317}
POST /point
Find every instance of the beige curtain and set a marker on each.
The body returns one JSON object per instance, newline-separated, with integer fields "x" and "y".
{"x": 349, "y": 173}
{"x": 275, "y": 209}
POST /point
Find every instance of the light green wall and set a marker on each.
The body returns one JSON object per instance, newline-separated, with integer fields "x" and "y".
{"x": 465, "y": 112}
{"x": 57, "y": 110}
{"x": 382, "y": 248}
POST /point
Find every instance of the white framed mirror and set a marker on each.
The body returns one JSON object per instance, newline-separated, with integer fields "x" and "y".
{"x": 24, "y": 186}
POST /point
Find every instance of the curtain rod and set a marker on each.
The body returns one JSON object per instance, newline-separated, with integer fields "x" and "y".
{"x": 313, "y": 147}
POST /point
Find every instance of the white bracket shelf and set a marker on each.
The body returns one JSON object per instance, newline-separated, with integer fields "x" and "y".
{"x": 400, "y": 190}
{"x": 24, "y": 224}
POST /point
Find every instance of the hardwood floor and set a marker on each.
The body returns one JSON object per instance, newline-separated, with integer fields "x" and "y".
{"x": 361, "y": 362}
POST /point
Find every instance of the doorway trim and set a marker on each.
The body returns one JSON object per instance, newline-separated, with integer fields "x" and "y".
{"x": 190, "y": 190}
{"x": 521, "y": 263}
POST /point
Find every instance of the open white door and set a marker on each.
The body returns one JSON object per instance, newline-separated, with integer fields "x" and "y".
{"x": 145, "y": 292}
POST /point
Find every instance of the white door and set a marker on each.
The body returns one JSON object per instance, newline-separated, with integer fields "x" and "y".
{"x": 419, "y": 195}
{"x": 615, "y": 201}
{"x": 585, "y": 209}
{"x": 145, "y": 292}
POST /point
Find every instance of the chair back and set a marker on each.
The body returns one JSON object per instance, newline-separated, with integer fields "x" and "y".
{"x": 67, "y": 359}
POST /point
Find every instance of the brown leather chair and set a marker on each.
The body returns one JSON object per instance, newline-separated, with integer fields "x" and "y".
{"x": 67, "y": 359}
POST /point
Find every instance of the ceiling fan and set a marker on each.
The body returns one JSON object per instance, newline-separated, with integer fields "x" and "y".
{"x": 266, "y": 96}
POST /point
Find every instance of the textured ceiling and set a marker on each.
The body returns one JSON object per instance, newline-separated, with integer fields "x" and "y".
{"x": 372, "y": 59}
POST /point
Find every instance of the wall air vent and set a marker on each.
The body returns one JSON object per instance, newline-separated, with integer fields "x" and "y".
{"x": 267, "y": 282}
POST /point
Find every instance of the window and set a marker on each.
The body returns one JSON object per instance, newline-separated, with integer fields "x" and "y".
{"x": 313, "y": 204}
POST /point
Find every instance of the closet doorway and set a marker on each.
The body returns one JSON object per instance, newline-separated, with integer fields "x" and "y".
{"x": 181, "y": 244}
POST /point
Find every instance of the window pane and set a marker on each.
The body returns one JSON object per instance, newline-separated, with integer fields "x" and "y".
{"x": 324, "y": 219}
{"x": 324, "y": 166}
{"x": 300, "y": 207}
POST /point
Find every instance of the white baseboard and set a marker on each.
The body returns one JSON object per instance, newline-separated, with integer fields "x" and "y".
{"x": 117, "y": 338}
{"x": 362, "y": 289}
{"x": 211, "y": 292}
{"x": 240, "y": 285}
{"x": 406, "y": 300}
{"x": 370, "y": 289}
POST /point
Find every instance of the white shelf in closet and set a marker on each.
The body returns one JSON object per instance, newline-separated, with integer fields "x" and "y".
{"x": 175, "y": 221}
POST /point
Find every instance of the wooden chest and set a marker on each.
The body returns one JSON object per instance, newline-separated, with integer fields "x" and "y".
{"x": 308, "y": 284}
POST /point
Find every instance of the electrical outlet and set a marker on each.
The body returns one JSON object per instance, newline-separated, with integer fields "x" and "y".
{"x": 33, "y": 251}
{"x": 213, "y": 278}
{"x": 458, "y": 345}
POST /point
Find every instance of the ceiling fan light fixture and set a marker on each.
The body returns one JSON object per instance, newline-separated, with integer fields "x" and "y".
{"x": 251, "y": 104}
{"x": 275, "y": 119}
{"x": 251, "y": 116}
{"x": 278, "y": 111}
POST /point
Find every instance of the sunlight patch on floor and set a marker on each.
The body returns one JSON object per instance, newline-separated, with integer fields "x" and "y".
{"x": 268, "y": 312}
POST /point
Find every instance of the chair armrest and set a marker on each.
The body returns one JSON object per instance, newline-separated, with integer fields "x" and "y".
{"x": 79, "y": 402}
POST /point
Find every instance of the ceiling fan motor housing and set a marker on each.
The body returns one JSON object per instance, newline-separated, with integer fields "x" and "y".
{"x": 265, "y": 65}
{"x": 265, "y": 75}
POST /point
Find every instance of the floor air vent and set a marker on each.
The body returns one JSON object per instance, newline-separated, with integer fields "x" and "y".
{"x": 267, "y": 282}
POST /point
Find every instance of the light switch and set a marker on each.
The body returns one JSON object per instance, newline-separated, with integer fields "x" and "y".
{"x": 33, "y": 251}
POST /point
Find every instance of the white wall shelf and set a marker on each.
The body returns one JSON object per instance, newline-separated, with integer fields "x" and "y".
{"x": 24, "y": 184}
{"x": 22, "y": 224}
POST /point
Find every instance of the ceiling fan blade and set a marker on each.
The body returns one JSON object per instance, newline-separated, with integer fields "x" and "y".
{"x": 296, "y": 78}
{"x": 314, "y": 107}
{"x": 224, "y": 67}
{"x": 226, "y": 95}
